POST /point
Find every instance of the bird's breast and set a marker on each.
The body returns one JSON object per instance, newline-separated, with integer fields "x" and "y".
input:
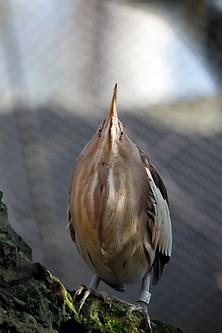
{"x": 108, "y": 220}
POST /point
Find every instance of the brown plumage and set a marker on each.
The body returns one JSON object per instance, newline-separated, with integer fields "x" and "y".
{"x": 118, "y": 208}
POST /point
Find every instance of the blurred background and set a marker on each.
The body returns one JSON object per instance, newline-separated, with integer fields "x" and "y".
{"x": 59, "y": 62}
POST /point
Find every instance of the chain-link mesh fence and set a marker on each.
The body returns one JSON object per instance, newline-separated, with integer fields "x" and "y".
{"x": 59, "y": 62}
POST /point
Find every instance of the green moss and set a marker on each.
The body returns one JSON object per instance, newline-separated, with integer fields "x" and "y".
{"x": 63, "y": 294}
{"x": 111, "y": 317}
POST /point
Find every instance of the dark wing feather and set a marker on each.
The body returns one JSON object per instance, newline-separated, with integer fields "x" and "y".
{"x": 160, "y": 261}
{"x": 159, "y": 182}
{"x": 71, "y": 228}
{"x": 159, "y": 222}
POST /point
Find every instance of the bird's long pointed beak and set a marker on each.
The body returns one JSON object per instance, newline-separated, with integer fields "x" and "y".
{"x": 112, "y": 118}
{"x": 113, "y": 109}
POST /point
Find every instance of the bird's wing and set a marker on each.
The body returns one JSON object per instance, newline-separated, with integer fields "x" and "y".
{"x": 70, "y": 225}
{"x": 159, "y": 222}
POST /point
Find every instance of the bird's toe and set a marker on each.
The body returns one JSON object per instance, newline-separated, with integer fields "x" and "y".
{"x": 78, "y": 292}
{"x": 81, "y": 295}
{"x": 84, "y": 298}
{"x": 142, "y": 308}
{"x": 104, "y": 296}
{"x": 133, "y": 308}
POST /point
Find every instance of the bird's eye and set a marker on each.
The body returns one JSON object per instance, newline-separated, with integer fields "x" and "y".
{"x": 100, "y": 131}
{"x": 101, "y": 128}
{"x": 121, "y": 134}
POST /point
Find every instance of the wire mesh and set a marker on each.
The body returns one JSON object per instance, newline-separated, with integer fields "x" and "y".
{"x": 58, "y": 64}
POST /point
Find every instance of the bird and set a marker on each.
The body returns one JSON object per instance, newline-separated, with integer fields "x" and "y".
{"x": 118, "y": 211}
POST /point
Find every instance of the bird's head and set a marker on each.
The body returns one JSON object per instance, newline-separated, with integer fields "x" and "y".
{"x": 110, "y": 139}
{"x": 110, "y": 133}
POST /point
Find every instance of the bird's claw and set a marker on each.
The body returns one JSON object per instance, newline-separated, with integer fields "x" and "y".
{"x": 144, "y": 307}
{"x": 133, "y": 308}
{"x": 141, "y": 307}
{"x": 84, "y": 298}
{"x": 78, "y": 292}
{"x": 106, "y": 299}
{"x": 84, "y": 293}
{"x": 82, "y": 290}
{"x": 148, "y": 323}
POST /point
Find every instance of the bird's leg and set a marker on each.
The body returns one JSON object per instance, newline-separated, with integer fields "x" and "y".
{"x": 94, "y": 283}
{"x": 144, "y": 298}
{"x": 94, "y": 286}
{"x": 145, "y": 295}
{"x": 143, "y": 301}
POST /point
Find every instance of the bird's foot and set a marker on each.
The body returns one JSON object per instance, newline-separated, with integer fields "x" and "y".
{"x": 122, "y": 301}
{"x": 83, "y": 293}
{"x": 144, "y": 307}
{"x": 78, "y": 292}
{"x": 105, "y": 297}
{"x": 133, "y": 307}
{"x": 141, "y": 307}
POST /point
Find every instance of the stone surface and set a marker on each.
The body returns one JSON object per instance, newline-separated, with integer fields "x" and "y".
{"x": 33, "y": 300}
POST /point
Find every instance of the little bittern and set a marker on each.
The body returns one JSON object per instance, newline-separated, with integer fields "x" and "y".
{"x": 118, "y": 210}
